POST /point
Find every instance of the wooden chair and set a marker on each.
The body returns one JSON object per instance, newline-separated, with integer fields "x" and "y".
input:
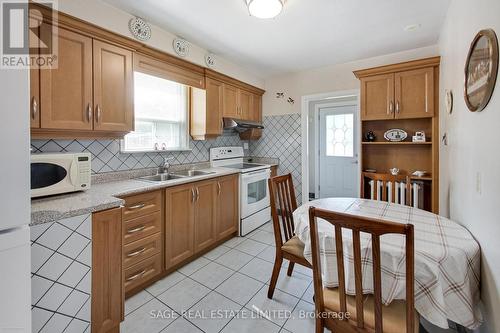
{"x": 288, "y": 246}
{"x": 367, "y": 312}
{"x": 385, "y": 179}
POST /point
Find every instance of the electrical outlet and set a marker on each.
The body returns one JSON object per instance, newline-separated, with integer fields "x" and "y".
{"x": 245, "y": 145}
{"x": 478, "y": 183}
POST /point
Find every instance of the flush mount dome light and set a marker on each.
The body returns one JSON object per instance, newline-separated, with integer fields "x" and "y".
{"x": 265, "y": 9}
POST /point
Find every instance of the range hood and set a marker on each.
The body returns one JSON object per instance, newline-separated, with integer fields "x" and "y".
{"x": 240, "y": 125}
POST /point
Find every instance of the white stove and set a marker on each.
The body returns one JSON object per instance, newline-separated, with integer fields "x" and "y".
{"x": 254, "y": 194}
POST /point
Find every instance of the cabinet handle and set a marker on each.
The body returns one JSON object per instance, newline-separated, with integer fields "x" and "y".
{"x": 391, "y": 108}
{"x": 98, "y": 113}
{"x": 136, "y": 253}
{"x": 133, "y": 277}
{"x": 197, "y": 194}
{"x": 89, "y": 113}
{"x": 138, "y": 229}
{"x": 397, "y": 107}
{"x": 192, "y": 195}
{"x": 218, "y": 188}
{"x": 221, "y": 124}
{"x": 34, "y": 108}
{"x": 138, "y": 206}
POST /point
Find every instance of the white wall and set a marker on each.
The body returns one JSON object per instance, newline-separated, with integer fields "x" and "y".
{"x": 327, "y": 79}
{"x": 116, "y": 20}
{"x": 473, "y": 148}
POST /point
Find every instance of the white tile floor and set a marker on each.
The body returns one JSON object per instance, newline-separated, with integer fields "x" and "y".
{"x": 224, "y": 291}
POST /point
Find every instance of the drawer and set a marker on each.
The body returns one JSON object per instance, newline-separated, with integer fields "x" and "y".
{"x": 142, "y": 272}
{"x": 141, "y": 204}
{"x": 142, "y": 249}
{"x": 141, "y": 227}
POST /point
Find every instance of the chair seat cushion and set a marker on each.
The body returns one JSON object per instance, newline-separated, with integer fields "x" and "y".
{"x": 393, "y": 316}
{"x": 294, "y": 246}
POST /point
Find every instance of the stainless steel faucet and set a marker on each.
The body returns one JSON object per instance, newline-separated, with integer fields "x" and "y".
{"x": 164, "y": 168}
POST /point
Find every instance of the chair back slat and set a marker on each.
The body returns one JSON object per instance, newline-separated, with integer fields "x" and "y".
{"x": 360, "y": 318}
{"x": 384, "y": 179}
{"x": 283, "y": 204}
{"x": 375, "y": 228}
{"x": 377, "y": 282}
{"x": 339, "y": 247}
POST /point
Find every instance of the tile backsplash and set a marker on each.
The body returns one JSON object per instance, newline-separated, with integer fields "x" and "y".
{"x": 282, "y": 139}
{"x": 106, "y": 155}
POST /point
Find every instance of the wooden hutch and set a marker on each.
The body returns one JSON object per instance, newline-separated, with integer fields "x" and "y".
{"x": 402, "y": 96}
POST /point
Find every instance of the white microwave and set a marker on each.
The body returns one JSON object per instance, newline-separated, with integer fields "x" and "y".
{"x": 59, "y": 173}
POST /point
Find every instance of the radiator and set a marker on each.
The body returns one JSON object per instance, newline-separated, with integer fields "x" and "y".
{"x": 416, "y": 187}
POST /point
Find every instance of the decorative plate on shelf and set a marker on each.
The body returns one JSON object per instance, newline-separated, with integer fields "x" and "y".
{"x": 395, "y": 135}
{"x": 139, "y": 28}
{"x": 181, "y": 47}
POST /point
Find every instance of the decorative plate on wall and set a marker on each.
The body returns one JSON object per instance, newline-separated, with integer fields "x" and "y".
{"x": 481, "y": 70}
{"x": 140, "y": 29}
{"x": 395, "y": 135}
{"x": 181, "y": 47}
{"x": 210, "y": 60}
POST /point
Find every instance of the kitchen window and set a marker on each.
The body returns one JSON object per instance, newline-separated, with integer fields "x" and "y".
{"x": 161, "y": 115}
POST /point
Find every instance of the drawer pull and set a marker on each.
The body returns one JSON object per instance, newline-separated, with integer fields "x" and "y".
{"x": 136, "y": 253}
{"x": 138, "y": 229}
{"x": 138, "y": 275}
{"x": 138, "y": 206}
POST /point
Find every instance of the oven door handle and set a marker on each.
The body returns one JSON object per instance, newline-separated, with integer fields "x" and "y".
{"x": 254, "y": 174}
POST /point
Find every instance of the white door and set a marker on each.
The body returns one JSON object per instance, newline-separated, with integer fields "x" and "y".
{"x": 338, "y": 155}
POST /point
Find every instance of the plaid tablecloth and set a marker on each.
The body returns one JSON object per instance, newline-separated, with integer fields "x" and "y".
{"x": 447, "y": 259}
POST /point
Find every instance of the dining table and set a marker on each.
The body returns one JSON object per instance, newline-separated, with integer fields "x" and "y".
{"x": 447, "y": 258}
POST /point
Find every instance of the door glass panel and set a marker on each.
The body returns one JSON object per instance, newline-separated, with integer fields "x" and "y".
{"x": 340, "y": 135}
{"x": 46, "y": 174}
{"x": 256, "y": 191}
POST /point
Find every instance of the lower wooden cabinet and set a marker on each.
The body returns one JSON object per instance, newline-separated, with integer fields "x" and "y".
{"x": 179, "y": 224}
{"x": 197, "y": 215}
{"x": 107, "y": 286}
{"x": 205, "y": 210}
{"x": 227, "y": 206}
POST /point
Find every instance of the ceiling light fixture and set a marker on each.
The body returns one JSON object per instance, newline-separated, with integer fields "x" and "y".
{"x": 265, "y": 9}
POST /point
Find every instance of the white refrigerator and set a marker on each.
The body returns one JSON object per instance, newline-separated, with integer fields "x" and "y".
{"x": 15, "y": 285}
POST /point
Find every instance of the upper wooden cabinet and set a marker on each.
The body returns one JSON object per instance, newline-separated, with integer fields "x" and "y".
{"x": 90, "y": 91}
{"x": 377, "y": 97}
{"x": 400, "y": 91}
{"x": 414, "y": 93}
{"x": 231, "y": 107}
{"x": 66, "y": 98}
{"x": 113, "y": 88}
{"x": 245, "y": 101}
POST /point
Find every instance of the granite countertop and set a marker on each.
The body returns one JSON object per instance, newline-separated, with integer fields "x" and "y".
{"x": 105, "y": 195}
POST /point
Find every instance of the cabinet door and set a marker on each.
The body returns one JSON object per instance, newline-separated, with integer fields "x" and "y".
{"x": 245, "y": 101}
{"x": 113, "y": 88}
{"x": 107, "y": 282}
{"x": 205, "y": 215}
{"x": 215, "y": 104}
{"x": 377, "y": 97}
{"x": 256, "y": 113}
{"x": 231, "y": 107}
{"x": 415, "y": 93}
{"x": 179, "y": 224}
{"x": 66, "y": 92}
{"x": 227, "y": 206}
{"x": 35, "y": 74}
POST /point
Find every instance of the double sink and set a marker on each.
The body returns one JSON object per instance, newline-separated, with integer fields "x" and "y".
{"x": 162, "y": 177}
